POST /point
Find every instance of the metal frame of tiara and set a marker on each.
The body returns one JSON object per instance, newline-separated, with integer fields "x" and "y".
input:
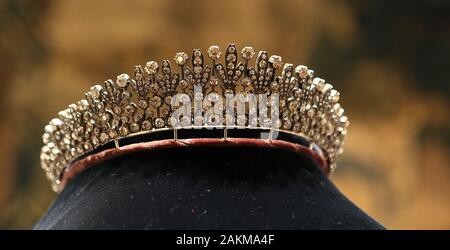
{"x": 308, "y": 106}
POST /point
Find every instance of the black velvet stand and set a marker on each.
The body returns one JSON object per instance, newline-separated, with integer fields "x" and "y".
{"x": 205, "y": 188}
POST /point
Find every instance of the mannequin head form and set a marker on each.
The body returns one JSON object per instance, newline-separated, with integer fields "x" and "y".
{"x": 244, "y": 186}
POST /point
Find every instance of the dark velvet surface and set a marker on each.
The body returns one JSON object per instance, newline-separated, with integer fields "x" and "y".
{"x": 205, "y": 188}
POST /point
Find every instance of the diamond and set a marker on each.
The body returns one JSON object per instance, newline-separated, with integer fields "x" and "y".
{"x": 151, "y": 67}
{"x": 156, "y": 101}
{"x": 95, "y": 141}
{"x": 287, "y": 124}
{"x": 134, "y": 127}
{"x": 130, "y": 109}
{"x": 231, "y": 57}
{"x": 95, "y": 91}
{"x": 197, "y": 60}
{"x": 247, "y": 53}
{"x": 117, "y": 110}
{"x": 146, "y": 125}
{"x": 198, "y": 70}
{"x": 181, "y": 58}
{"x": 302, "y": 71}
{"x": 104, "y": 117}
{"x": 326, "y": 88}
{"x": 344, "y": 120}
{"x": 214, "y": 52}
{"x": 311, "y": 113}
{"x": 274, "y": 86}
{"x": 123, "y": 131}
{"x": 122, "y": 80}
{"x": 159, "y": 122}
{"x": 143, "y": 103}
{"x": 293, "y": 106}
{"x": 297, "y": 92}
{"x": 319, "y": 83}
{"x": 213, "y": 81}
{"x": 103, "y": 137}
{"x": 334, "y": 96}
{"x": 246, "y": 81}
{"x": 276, "y": 61}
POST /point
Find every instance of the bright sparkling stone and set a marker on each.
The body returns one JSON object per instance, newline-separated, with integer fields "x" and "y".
{"x": 95, "y": 141}
{"x": 146, "y": 125}
{"x": 143, "y": 103}
{"x": 181, "y": 58}
{"x": 130, "y": 109}
{"x": 156, "y": 101}
{"x": 231, "y": 57}
{"x": 117, "y": 110}
{"x": 137, "y": 117}
{"x": 319, "y": 83}
{"x": 247, "y": 53}
{"x": 213, "y": 81}
{"x": 293, "y": 106}
{"x": 197, "y": 53}
{"x": 151, "y": 67}
{"x": 327, "y": 88}
{"x": 159, "y": 122}
{"x": 297, "y": 92}
{"x": 334, "y": 96}
{"x": 246, "y": 81}
{"x": 167, "y": 100}
{"x": 329, "y": 129}
{"x": 214, "y": 52}
{"x": 197, "y": 60}
{"x": 123, "y": 131}
{"x": 46, "y": 138}
{"x": 198, "y": 120}
{"x": 95, "y": 91}
{"x": 103, "y": 137}
{"x": 287, "y": 124}
{"x": 302, "y": 71}
{"x": 343, "y": 119}
{"x": 184, "y": 84}
{"x": 274, "y": 86}
{"x": 198, "y": 70}
{"x": 134, "y": 127}
{"x": 122, "y": 80}
{"x": 311, "y": 113}
{"x": 104, "y": 117}
{"x": 276, "y": 61}
{"x": 115, "y": 123}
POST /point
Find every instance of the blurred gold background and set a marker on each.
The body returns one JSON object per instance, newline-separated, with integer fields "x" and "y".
{"x": 390, "y": 59}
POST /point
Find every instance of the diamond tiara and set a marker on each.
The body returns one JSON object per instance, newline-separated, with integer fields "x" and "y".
{"x": 158, "y": 99}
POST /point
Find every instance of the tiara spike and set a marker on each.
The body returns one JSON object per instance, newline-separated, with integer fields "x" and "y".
{"x": 231, "y": 71}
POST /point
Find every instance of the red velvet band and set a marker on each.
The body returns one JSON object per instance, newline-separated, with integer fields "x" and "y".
{"x": 94, "y": 159}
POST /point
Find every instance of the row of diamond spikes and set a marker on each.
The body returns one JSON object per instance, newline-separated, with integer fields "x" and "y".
{"x": 53, "y": 163}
